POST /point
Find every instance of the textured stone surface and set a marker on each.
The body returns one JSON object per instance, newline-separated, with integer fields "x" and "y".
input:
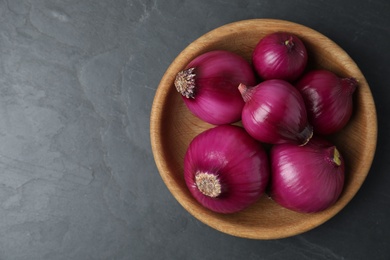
{"x": 77, "y": 175}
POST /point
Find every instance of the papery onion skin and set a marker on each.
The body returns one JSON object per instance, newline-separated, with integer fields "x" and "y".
{"x": 238, "y": 162}
{"x": 275, "y": 113}
{"x": 328, "y": 98}
{"x": 306, "y": 178}
{"x": 280, "y": 55}
{"x": 209, "y": 83}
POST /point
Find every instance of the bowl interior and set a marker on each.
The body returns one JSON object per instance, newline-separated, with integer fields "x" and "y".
{"x": 173, "y": 127}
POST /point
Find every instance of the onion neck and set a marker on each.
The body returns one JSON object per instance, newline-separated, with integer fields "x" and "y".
{"x": 289, "y": 43}
{"x": 334, "y": 156}
{"x": 185, "y": 82}
{"x": 349, "y": 85}
{"x": 208, "y": 184}
{"x": 245, "y": 92}
{"x": 305, "y": 136}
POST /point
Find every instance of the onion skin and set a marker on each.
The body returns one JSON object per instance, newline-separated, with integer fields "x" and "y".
{"x": 209, "y": 83}
{"x": 328, "y": 98}
{"x": 306, "y": 178}
{"x": 238, "y": 162}
{"x": 280, "y": 55}
{"x": 275, "y": 113}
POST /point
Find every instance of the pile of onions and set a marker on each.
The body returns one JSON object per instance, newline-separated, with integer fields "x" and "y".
{"x": 225, "y": 168}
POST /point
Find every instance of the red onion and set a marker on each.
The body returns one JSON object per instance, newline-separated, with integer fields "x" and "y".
{"x": 225, "y": 169}
{"x": 306, "y": 178}
{"x": 280, "y": 55}
{"x": 275, "y": 112}
{"x": 209, "y": 86}
{"x": 328, "y": 99}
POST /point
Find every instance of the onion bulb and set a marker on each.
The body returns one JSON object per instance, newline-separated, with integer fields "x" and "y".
{"x": 306, "y": 178}
{"x": 275, "y": 113}
{"x": 280, "y": 55}
{"x": 328, "y": 100}
{"x": 209, "y": 83}
{"x": 225, "y": 169}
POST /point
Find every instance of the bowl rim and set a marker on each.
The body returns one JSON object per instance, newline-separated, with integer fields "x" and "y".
{"x": 156, "y": 125}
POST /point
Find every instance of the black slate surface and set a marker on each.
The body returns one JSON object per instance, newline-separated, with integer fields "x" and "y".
{"x": 77, "y": 175}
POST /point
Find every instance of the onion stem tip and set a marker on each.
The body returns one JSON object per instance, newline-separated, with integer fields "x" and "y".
{"x": 336, "y": 157}
{"x": 309, "y": 136}
{"x": 244, "y": 92}
{"x": 289, "y": 43}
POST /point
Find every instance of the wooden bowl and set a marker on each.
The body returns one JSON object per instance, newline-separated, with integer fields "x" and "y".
{"x": 172, "y": 127}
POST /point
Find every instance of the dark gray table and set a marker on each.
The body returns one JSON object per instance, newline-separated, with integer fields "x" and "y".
{"x": 77, "y": 175}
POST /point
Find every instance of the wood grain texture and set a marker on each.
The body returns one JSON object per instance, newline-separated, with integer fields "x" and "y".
{"x": 172, "y": 127}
